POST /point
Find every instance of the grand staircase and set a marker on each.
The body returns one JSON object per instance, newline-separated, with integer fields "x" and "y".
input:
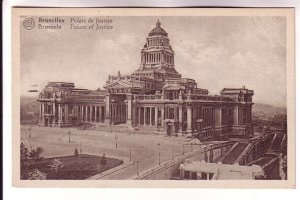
{"x": 277, "y": 143}
{"x": 233, "y": 155}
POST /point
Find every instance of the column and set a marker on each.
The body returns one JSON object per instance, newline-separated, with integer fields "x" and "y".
{"x": 145, "y": 111}
{"x": 53, "y": 109}
{"x": 189, "y": 119}
{"x": 236, "y": 115}
{"x": 163, "y": 117}
{"x": 175, "y": 113}
{"x": 81, "y": 113}
{"x": 180, "y": 118}
{"x": 112, "y": 113}
{"x": 218, "y": 116}
{"x": 155, "y": 116}
{"x": 95, "y": 119}
{"x": 66, "y": 113}
{"x": 107, "y": 109}
{"x": 86, "y": 113}
{"x": 40, "y": 113}
{"x": 54, "y": 114}
{"x": 43, "y": 112}
{"x": 139, "y": 115}
{"x": 91, "y": 113}
{"x": 150, "y": 122}
{"x": 129, "y": 109}
{"x": 59, "y": 113}
{"x": 100, "y": 114}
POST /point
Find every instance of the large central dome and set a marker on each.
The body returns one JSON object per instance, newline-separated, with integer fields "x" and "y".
{"x": 158, "y": 30}
{"x": 157, "y": 55}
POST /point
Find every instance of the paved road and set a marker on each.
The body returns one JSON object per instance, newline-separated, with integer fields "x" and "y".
{"x": 144, "y": 148}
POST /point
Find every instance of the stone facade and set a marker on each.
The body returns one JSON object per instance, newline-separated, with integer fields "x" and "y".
{"x": 153, "y": 97}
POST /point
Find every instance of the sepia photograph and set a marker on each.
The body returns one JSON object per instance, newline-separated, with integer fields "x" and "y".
{"x": 183, "y": 96}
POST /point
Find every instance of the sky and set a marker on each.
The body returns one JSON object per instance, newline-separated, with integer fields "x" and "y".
{"x": 218, "y": 52}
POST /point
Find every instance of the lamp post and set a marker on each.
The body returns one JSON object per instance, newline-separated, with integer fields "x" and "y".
{"x": 69, "y": 133}
{"x": 158, "y": 153}
{"x": 130, "y": 154}
{"x": 116, "y": 138}
{"x": 29, "y": 130}
{"x": 80, "y": 149}
{"x": 183, "y": 149}
{"x": 137, "y": 168}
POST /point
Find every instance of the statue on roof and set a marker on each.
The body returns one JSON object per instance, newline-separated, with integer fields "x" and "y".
{"x": 158, "y": 23}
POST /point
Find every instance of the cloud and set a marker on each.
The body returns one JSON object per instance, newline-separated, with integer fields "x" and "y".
{"x": 217, "y": 52}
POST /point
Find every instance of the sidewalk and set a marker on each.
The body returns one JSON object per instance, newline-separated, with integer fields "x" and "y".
{"x": 126, "y": 163}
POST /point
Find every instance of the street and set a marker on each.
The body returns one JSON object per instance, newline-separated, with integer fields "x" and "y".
{"x": 146, "y": 150}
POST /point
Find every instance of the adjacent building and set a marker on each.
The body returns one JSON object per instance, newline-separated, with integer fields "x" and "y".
{"x": 155, "y": 96}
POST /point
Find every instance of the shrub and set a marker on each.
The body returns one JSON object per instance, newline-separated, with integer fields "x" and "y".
{"x": 103, "y": 161}
{"x": 36, "y": 153}
{"x": 76, "y": 152}
{"x": 55, "y": 165}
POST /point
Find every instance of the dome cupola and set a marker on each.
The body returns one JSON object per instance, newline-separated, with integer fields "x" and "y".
{"x": 158, "y": 30}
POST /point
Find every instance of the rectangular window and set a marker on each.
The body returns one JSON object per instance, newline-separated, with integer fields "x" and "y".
{"x": 193, "y": 175}
{"x": 187, "y": 175}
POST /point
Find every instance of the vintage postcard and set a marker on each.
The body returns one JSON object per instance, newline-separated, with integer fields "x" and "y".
{"x": 153, "y": 97}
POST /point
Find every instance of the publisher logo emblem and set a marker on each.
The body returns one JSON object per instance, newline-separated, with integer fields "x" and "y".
{"x": 29, "y": 23}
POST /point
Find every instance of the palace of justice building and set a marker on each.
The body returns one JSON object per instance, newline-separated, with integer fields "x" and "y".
{"x": 155, "y": 97}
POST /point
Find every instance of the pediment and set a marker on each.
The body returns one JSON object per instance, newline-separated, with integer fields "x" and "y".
{"x": 119, "y": 84}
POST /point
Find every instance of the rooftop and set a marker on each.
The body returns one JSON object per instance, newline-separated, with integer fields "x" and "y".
{"x": 158, "y": 30}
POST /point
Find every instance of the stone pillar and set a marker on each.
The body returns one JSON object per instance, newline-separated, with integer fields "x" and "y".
{"x": 107, "y": 109}
{"x": 86, "y": 114}
{"x": 76, "y": 110}
{"x": 95, "y": 119}
{"x": 66, "y": 113}
{"x": 43, "y": 113}
{"x": 91, "y": 113}
{"x": 59, "y": 114}
{"x": 40, "y": 114}
{"x": 189, "y": 119}
{"x": 155, "y": 116}
{"x": 54, "y": 114}
{"x": 139, "y": 116}
{"x": 112, "y": 107}
{"x": 53, "y": 109}
{"x": 100, "y": 113}
{"x": 129, "y": 109}
{"x": 81, "y": 113}
{"x": 163, "y": 117}
{"x": 236, "y": 115}
{"x": 145, "y": 112}
{"x": 150, "y": 122}
{"x": 218, "y": 116}
{"x": 180, "y": 118}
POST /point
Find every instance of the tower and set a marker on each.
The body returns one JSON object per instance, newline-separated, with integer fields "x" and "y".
{"x": 157, "y": 53}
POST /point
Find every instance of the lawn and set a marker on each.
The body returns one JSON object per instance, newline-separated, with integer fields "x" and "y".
{"x": 74, "y": 167}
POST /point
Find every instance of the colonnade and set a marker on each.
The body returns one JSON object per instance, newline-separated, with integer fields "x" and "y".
{"x": 186, "y": 116}
{"x": 89, "y": 113}
{"x": 64, "y": 114}
{"x": 147, "y": 116}
{"x": 157, "y": 57}
{"x": 118, "y": 113}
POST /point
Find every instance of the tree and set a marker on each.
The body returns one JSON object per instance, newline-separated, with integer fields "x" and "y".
{"x": 76, "y": 152}
{"x": 36, "y": 153}
{"x": 25, "y": 156}
{"x": 36, "y": 175}
{"x": 55, "y": 165}
{"x": 103, "y": 161}
{"x": 23, "y": 152}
